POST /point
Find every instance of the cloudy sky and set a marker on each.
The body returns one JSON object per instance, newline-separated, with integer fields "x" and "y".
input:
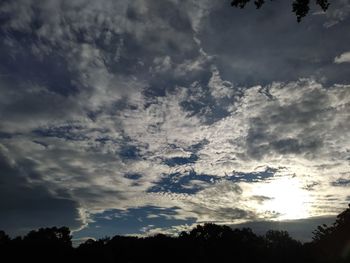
{"x": 137, "y": 117}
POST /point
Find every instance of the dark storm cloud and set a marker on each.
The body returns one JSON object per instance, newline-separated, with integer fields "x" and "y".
{"x": 261, "y": 143}
{"x": 297, "y": 116}
{"x": 49, "y": 51}
{"x": 25, "y": 205}
{"x": 260, "y": 47}
{"x": 20, "y": 64}
{"x": 25, "y": 105}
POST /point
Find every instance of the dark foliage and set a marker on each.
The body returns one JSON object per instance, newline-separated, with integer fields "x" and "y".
{"x": 43, "y": 245}
{"x": 204, "y": 243}
{"x": 333, "y": 242}
{"x": 300, "y": 7}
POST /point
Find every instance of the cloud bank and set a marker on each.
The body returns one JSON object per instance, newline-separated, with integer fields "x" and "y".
{"x": 117, "y": 110}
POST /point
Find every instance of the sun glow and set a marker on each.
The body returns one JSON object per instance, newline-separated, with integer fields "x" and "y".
{"x": 286, "y": 198}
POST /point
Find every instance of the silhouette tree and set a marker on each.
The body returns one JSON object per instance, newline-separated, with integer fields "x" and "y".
{"x": 204, "y": 243}
{"x": 300, "y": 7}
{"x": 50, "y": 236}
{"x": 47, "y": 244}
{"x": 280, "y": 247}
{"x": 4, "y": 238}
{"x": 332, "y": 243}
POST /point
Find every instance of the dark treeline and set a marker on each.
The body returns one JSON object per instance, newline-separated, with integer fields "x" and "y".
{"x": 204, "y": 243}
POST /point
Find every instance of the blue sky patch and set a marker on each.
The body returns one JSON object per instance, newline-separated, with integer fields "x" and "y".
{"x": 132, "y": 221}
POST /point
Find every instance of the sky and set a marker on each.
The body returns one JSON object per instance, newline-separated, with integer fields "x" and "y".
{"x": 140, "y": 117}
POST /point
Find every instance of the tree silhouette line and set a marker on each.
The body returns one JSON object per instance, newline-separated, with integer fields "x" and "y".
{"x": 300, "y": 7}
{"x": 204, "y": 243}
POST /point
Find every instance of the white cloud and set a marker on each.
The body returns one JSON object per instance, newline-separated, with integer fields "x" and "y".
{"x": 343, "y": 58}
{"x": 218, "y": 87}
{"x": 300, "y": 126}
